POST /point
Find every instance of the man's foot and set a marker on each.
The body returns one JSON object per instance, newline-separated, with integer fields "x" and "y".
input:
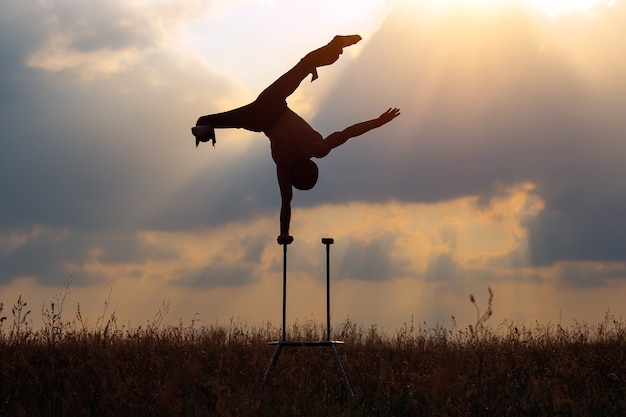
{"x": 328, "y": 54}
{"x": 203, "y": 134}
{"x": 345, "y": 41}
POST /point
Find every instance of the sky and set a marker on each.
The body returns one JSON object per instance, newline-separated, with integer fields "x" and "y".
{"x": 504, "y": 170}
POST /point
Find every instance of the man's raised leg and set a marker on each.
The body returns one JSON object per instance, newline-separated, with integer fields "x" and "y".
{"x": 328, "y": 54}
{"x": 283, "y": 87}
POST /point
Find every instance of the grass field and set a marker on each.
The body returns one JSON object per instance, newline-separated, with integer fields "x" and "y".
{"x": 68, "y": 369}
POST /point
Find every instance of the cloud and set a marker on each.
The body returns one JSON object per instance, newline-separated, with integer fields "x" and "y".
{"x": 102, "y": 153}
{"x": 490, "y": 100}
{"x": 242, "y": 265}
{"x": 590, "y": 274}
{"x": 442, "y": 267}
{"x": 234, "y": 187}
{"x": 91, "y": 152}
{"x": 108, "y": 37}
{"x": 35, "y": 255}
{"x": 374, "y": 260}
{"x": 373, "y": 243}
{"x": 218, "y": 275}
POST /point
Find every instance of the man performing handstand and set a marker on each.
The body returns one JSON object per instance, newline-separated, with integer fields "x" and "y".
{"x": 293, "y": 141}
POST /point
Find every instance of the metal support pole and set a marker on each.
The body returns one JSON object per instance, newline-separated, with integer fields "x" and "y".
{"x": 328, "y": 241}
{"x": 284, "y": 291}
{"x": 282, "y": 240}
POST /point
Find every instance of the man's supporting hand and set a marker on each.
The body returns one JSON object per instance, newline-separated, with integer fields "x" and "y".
{"x": 284, "y": 239}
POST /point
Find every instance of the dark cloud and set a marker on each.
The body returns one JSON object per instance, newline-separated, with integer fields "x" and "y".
{"x": 590, "y": 275}
{"x": 373, "y": 260}
{"x": 253, "y": 248}
{"x": 41, "y": 258}
{"x": 104, "y": 25}
{"x": 51, "y": 255}
{"x": 221, "y": 272}
{"x": 120, "y": 248}
{"x": 218, "y": 275}
{"x": 21, "y": 31}
{"x": 442, "y": 267}
{"x": 26, "y": 28}
{"x": 240, "y": 190}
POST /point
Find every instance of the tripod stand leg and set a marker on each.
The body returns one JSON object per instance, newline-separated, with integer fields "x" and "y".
{"x": 277, "y": 350}
{"x": 343, "y": 370}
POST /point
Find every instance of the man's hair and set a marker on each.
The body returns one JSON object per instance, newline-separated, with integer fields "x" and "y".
{"x": 304, "y": 174}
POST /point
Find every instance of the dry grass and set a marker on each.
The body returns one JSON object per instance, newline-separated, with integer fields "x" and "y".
{"x": 68, "y": 369}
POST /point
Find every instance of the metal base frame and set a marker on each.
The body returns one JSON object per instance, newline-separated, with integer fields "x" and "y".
{"x": 292, "y": 343}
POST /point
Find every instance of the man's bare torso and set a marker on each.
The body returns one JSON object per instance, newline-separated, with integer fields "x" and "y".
{"x": 292, "y": 138}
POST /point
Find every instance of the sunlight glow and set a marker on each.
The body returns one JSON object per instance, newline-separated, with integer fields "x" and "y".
{"x": 557, "y": 7}
{"x": 550, "y": 7}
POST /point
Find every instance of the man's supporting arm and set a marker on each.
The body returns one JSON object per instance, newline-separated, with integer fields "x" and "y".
{"x": 286, "y": 194}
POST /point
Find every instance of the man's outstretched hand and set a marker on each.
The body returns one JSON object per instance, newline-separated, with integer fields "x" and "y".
{"x": 388, "y": 116}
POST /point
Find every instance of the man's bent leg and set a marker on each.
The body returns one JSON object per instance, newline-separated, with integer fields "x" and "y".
{"x": 249, "y": 117}
{"x": 240, "y": 118}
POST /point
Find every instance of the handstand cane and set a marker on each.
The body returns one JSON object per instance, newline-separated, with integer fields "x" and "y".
{"x": 282, "y": 240}
{"x": 284, "y": 288}
{"x": 332, "y": 343}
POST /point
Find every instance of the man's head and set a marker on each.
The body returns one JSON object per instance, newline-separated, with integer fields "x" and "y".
{"x": 304, "y": 174}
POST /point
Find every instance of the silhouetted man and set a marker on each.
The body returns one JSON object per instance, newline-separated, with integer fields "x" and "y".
{"x": 293, "y": 141}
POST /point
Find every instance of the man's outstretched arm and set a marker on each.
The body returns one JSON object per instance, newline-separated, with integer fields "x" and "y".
{"x": 339, "y": 138}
